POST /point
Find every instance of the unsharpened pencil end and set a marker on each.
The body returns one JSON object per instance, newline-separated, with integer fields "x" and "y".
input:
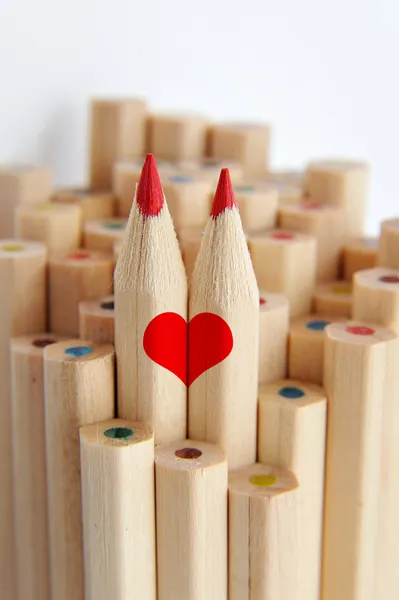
{"x": 224, "y": 196}
{"x": 150, "y": 196}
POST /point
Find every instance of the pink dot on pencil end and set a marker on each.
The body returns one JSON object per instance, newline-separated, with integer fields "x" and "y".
{"x": 78, "y": 256}
{"x": 281, "y": 235}
{"x": 389, "y": 279}
{"x": 360, "y": 330}
{"x": 309, "y": 205}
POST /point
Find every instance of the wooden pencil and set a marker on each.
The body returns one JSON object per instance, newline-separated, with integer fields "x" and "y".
{"x": 257, "y": 204}
{"x": 359, "y": 254}
{"x": 359, "y": 370}
{"x": 72, "y": 278}
{"x": 326, "y": 224}
{"x": 150, "y": 315}
{"x": 306, "y": 347}
{"x": 23, "y": 310}
{"x": 285, "y": 263}
{"x": 118, "y": 509}
{"x": 189, "y": 200}
{"x": 292, "y": 436}
{"x": 178, "y": 136}
{"x": 79, "y": 390}
{"x": 264, "y": 543}
{"x": 97, "y": 320}
{"x": 273, "y": 336}
{"x": 388, "y": 251}
{"x": 246, "y": 143}
{"x": 191, "y": 512}
{"x": 334, "y": 298}
{"x": 94, "y": 204}
{"x": 224, "y": 335}
{"x": 58, "y": 226}
{"x": 29, "y": 466}
{"x": 102, "y": 234}
{"x": 376, "y": 297}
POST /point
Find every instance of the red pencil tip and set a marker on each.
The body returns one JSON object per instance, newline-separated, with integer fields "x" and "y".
{"x": 224, "y": 196}
{"x": 150, "y": 196}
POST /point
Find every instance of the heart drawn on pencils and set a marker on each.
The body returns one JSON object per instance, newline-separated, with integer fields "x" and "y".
{"x": 187, "y": 349}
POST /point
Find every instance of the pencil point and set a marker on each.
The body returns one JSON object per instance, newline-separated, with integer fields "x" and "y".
{"x": 150, "y": 197}
{"x": 224, "y": 196}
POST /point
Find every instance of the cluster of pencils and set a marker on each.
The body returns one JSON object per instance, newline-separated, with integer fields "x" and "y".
{"x": 169, "y": 355}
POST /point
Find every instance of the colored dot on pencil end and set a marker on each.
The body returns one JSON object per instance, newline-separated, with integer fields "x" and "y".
{"x": 262, "y": 301}
{"x": 108, "y": 305}
{"x": 263, "y": 480}
{"x": 12, "y": 248}
{"x": 291, "y": 392}
{"x": 283, "y": 236}
{"x": 317, "y": 325}
{"x": 119, "y": 433}
{"x": 360, "y": 330}
{"x": 78, "y": 256}
{"x": 42, "y": 342}
{"x": 389, "y": 279}
{"x": 78, "y": 351}
{"x": 188, "y": 453}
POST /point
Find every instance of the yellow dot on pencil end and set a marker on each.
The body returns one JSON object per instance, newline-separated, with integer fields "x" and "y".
{"x": 262, "y": 480}
{"x": 45, "y": 206}
{"x": 342, "y": 288}
{"x": 12, "y": 248}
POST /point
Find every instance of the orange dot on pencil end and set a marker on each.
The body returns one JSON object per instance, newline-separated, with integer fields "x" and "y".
{"x": 150, "y": 196}
{"x": 224, "y": 196}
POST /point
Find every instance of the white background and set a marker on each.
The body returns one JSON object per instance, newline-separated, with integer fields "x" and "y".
{"x": 325, "y": 75}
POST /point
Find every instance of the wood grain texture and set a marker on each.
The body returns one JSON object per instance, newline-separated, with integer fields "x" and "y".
{"x": 264, "y": 543}
{"x": 97, "y": 320}
{"x": 191, "y": 511}
{"x": 388, "y": 251}
{"x": 358, "y": 379}
{"x": 359, "y": 254}
{"x": 334, "y": 298}
{"x": 273, "y": 336}
{"x": 23, "y": 311}
{"x": 292, "y": 436}
{"x": 118, "y": 509}
{"x": 78, "y": 391}
{"x": 94, "y": 204}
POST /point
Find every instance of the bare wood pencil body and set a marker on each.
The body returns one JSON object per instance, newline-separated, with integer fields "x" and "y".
{"x": 29, "y": 466}
{"x": 151, "y": 311}
{"x": 334, "y": 298}
{"x": 58, "y": 226}
{"x": 94, "y": 204}
{"x": 21, "y": 184}
{"x": 103, "y": 233}
{"x": 177, "y": 137}
{"x": 344, "y": 184}
{"x": 306, "y": 347}
{"x": 224, "y": 307}
{"x": 273, "y": 336}
{"x": 118, "y": 509}
{"x": 246, "y": 143}
{"x": 23, "y": 310}
{"x": 79, "y": 390}
{"x": 264, "y": 543}
{"x": 359, "y": 254}
{"x": 376, "y": 297}
{"x": 74, "y": 277}
{"x": 388, "y": 252}
{"x": 285, "y": 263}
{"x": 326, "y": 224}
{"x": 257, "y": 204}
{"x": 97, "y": 320}
{"x": 208, "y": 169}
{"x": 191, "y": 510}
{"x": 117, "y": 133}
{"x": 189, "y": 200}
{"x": 358, "y": 378}
{"x": 292, "y": 436}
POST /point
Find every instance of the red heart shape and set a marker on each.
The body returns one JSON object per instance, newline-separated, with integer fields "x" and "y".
{"x": 207, "y": 337}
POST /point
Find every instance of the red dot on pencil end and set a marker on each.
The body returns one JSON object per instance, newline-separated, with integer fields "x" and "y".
{"x": 390, "y": 279}
{"x": 150, "y": 197}
{"x": 281, "y": 235}
{"x": 78, "y": 256}
{"x": 360, "y": 330}
{"x": 309, "y": 205}
{"x": 262, "y": 301}
{"x": 224, "y": 196}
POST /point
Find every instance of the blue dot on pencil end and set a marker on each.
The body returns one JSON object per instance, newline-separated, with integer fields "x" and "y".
{"x": 291, "y": 392}
{"x": 181, "y": 179}
{"x": 317, "y": 325}
{"x": 77, "y": 351}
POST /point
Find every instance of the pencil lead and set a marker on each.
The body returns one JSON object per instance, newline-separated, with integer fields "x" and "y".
{"x": 150, "y": 196}
{"x": 224, "y": 196}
